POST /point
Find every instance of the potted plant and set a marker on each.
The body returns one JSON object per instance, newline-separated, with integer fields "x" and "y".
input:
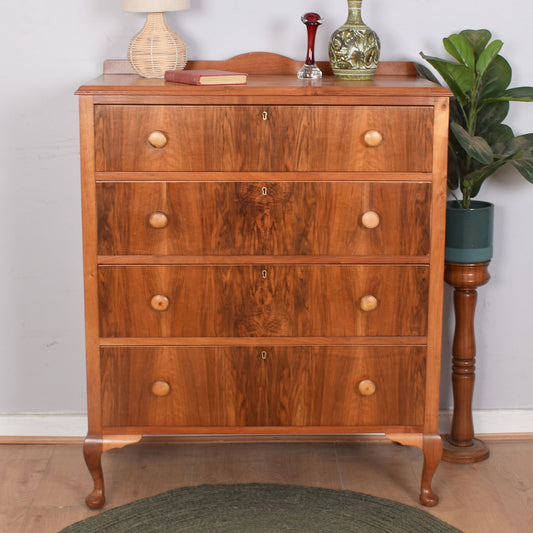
{"x": 480, "y": 144}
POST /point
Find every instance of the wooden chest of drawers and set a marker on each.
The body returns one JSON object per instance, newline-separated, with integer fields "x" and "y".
{"x": 263, "y": 259}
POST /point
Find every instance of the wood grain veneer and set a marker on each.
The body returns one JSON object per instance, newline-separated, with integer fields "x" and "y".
{"x": 263, "y": 218}
{"x": 263, "y": 300}
{"x": 263, "y": 386}
{"x": 277, "y": 138}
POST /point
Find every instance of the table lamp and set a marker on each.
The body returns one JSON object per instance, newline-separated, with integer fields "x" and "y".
{"x": 156, "y": 48}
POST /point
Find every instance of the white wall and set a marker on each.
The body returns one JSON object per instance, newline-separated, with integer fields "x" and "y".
{"x": 50, "y": 48}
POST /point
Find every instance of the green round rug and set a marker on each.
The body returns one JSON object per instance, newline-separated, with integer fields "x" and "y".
{"x": 259, "y": 508}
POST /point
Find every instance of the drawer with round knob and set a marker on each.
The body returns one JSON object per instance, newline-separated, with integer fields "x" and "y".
{"x": 263, "y": 300}
{"x": 263, "y": 218}
{"x": 263, "y": 138}
{"x": 285, "y": 386}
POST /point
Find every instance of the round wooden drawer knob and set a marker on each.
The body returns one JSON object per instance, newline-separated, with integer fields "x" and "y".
{"x": 372, "y": 138}
{"x": 367, "y": 387}
{"x": 160, "y": 389}
{"x": 159, "y": 302}
{"x": 157, "y": 139}
{"x": 368, "y": 303}
{"x": 370, "y": 220}
{"x": 158, "y": 220}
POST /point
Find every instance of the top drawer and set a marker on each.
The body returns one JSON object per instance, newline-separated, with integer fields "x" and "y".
{"x": 263, "y": 138}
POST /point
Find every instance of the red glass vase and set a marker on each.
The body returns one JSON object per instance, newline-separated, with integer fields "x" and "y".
{"x": 309, "y": 70}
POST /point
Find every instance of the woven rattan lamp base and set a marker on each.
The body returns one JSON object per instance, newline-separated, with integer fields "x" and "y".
{"x": 156, "y": 48}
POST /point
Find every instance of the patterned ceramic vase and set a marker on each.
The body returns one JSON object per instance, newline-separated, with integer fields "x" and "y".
{"x": 354, "y": 48}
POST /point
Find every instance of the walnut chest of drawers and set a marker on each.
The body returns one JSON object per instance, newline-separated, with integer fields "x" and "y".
{"x": 263, "y": 259}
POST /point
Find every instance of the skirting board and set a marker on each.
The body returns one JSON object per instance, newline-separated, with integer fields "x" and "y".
{"x": 73, "y": 426}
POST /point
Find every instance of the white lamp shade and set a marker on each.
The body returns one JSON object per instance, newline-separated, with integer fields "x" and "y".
{"x": 154, "y": 6}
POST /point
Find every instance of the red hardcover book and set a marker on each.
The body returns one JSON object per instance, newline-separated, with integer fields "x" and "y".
{"x": 206, "y": 77}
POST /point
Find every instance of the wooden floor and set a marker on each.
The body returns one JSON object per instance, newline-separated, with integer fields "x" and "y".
{"x": 42, "y": 487}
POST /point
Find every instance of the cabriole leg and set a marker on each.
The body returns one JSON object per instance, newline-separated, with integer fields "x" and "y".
{"x": 432, "y": 448}
{"x": 431, "y": 445}
{"x": 93, "y": 449}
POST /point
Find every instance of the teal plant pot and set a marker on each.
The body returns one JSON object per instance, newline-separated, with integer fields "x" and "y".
{"x": 469, "y": 232}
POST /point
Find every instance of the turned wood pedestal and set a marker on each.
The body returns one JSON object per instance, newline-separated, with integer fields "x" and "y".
{"x": 460, "y": 446}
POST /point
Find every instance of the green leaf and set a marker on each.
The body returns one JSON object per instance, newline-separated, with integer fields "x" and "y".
{"x": 496, "y": 79}
{"x": 520, "y": 149}
{"x": 459, "y": 48}
{"x": 487, "y": 56}
{"x": 476, "y": 147}
{"x": 525, "y": 167}
{"x": 474, "y": 191}
{"x": 489, "y": 116}
{"x": 423, "y": 72}
{"x": 519, "y": 94}
{"x": 499, "y": 138}
{"x": 458, "y": 77}
{"x": 456, "y": 115}
{"x": 478, "y": 39}
{"x": 521, "y": 143}
{"x": 474, "y": 180}
{"x": 453, "y": 170}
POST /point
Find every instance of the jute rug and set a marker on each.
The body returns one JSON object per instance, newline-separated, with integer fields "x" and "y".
{"x": 262, "y": 509}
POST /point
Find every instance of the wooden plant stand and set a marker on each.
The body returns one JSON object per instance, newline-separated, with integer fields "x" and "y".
{"x": 460, "y": 446}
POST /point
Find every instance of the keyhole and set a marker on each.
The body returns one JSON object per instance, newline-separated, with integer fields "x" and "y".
{"x": 263, "y": 355}
{"x": 264, "y": 190}
{"x": 264, "y": 114}
{"x": 264, "y": 274}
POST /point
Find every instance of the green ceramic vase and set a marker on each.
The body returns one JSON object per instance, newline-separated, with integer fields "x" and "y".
{"x": 469, "y": 232}
{"x": 354, "y": 48}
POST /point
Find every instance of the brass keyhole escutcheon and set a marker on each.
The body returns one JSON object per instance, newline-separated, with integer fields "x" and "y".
{"x": 263, "y": 355}
{"x": 264, "y": 115}
{"x": 264, "y": 273}
{"x": 264, "y": 191}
